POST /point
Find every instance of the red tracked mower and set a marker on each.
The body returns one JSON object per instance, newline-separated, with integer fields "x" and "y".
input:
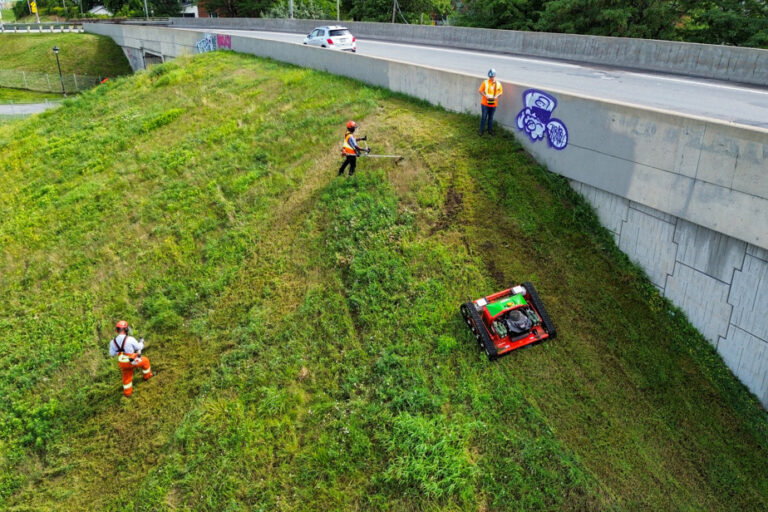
{"x": 508, "y": 320}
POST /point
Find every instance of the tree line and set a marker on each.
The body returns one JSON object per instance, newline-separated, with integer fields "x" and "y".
{"x": 731, "y": 22}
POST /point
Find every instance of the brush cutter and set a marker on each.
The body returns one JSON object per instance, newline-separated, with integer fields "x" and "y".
{"x": 367, "y": 151}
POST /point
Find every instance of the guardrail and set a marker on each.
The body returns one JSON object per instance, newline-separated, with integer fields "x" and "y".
{"x": 29, "y": 28}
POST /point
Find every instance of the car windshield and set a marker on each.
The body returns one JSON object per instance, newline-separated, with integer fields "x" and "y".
{"x": 339, "y": 32}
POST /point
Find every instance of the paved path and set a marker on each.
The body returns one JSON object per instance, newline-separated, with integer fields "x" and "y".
{"x": 25, "y": 108}
{"x": 699, "y": 97}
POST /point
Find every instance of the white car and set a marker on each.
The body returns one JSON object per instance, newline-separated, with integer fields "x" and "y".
{"x": 335, "y": 37}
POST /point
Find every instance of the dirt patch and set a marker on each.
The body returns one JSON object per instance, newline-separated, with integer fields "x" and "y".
{"x": 496, "y": 273}
{"x": 454, "y": 202}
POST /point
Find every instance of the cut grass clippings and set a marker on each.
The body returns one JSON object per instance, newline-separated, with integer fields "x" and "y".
{"x": 305, "y": 328}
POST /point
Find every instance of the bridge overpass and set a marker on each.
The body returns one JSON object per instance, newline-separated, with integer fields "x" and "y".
{"x": 668, "y": 141}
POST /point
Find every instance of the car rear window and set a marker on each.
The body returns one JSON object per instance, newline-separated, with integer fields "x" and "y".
{"x": 342, "y": 32}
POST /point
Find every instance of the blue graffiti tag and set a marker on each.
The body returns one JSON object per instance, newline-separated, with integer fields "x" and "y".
{"x": 536, "y": 119}
{"x": 206, "y": 44}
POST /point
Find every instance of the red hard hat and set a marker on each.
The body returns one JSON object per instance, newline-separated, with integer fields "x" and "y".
{"x": 351, "y": 124}
{"x": 122, "y": 324}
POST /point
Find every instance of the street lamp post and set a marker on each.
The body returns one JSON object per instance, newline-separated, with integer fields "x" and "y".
{"x": 61, "y": 77}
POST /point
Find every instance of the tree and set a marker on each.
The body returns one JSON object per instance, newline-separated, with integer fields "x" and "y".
{"x": 309, "y": 10}
{"x": 737, "y": 22}
{"x": 650, "y": 19}
{"x": 504, "y": 14}
{"x": 381, "y": 10}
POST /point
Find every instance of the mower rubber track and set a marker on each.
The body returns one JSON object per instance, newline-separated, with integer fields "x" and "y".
{"x": 548, "y": 325}
{"x": 470, "y": 315}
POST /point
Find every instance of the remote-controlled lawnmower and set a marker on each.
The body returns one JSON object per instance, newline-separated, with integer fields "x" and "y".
{"x": 507, "y": 320}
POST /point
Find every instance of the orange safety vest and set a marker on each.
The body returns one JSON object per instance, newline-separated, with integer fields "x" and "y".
{"x": 348, "y": 149}
{"x": 490, "y": 88}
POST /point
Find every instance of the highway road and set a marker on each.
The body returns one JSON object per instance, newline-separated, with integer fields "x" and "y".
{"x": 710, "y": 99}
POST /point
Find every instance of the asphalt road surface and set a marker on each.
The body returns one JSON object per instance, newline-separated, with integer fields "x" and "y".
{"x": 711, "y": 99}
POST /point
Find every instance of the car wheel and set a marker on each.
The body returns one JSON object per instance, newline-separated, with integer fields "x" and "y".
{"x": 548, "y": 325}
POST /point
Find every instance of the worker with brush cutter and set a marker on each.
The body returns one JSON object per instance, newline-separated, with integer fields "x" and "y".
{"x": 350, "y": 151}
{"x": 128, "y": 352}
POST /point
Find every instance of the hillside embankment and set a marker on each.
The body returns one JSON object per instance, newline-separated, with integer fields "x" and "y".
{"x": 304, "y": 328}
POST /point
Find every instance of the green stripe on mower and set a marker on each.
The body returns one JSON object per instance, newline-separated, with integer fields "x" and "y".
{"x": 507, "y": 302}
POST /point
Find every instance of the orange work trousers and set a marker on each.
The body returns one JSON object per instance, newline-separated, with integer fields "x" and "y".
{"x": 127, "y": 369}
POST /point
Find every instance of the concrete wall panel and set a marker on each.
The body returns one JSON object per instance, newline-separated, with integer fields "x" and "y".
{"x": 749, "y": 297}
{"x": 611, "y": 209}
{"x": 648, "y": 241}
{"x": 703, "y": 298}
{"x": 747, "y": 357}
{"x": 708, "y": 251}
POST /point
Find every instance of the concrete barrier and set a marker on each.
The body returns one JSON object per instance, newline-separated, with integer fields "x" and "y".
{"x": 686, "y": 198}
{"x": 730, "y": 63}
{"x": 27, "y": 28}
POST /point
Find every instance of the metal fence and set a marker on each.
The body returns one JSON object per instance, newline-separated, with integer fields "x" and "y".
{"x": 46, "y": 82}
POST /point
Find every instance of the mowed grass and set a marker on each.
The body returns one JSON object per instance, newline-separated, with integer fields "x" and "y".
{"x": 305, "y": 330}
{"x": 22, "y": 96}
{"x": 82, "y": 54}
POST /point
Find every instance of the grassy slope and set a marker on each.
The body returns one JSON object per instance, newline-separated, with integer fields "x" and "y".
{"x": 21, "y": 96}
{"x": 8, "y": 16}
{"x": 305, "y": 328}
{"x": 83, "y": 54}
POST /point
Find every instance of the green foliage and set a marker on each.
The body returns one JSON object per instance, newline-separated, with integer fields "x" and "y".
{"x": 311, "y": 10}
{"x": 742, "y": 23}
{"x": 649, "y": 19}
{"x": 135, "y": 8}
{"x": 500, "y": 14}
{"x": 431, "y": 456}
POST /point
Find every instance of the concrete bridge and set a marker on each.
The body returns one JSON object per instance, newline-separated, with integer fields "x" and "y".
{"x": 682, "y": 183}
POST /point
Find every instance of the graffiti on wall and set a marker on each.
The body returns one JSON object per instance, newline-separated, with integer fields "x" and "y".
{"x": 224, "y": 41}
{"x": 206, "y": 44}
{"x": 535, "y": 119}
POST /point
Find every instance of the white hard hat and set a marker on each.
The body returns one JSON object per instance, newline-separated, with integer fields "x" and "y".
{"x": 491, "y": 73}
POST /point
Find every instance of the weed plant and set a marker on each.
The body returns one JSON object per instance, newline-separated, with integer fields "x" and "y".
{"x": 305, "y": 328}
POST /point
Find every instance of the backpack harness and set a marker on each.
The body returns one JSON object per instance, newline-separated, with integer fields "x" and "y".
{"x": 122, "y": 357}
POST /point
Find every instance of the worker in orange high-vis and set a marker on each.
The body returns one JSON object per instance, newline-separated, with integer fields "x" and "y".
{"x": 489, "y": 90}
{"x": 128, "y": 352}
{"x": 350, "y": 151}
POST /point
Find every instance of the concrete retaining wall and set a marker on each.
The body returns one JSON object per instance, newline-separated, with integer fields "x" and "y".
{"x": 685, "y": 198}
{"x": 744, "y": 65}
{"x": 720, "y": 282}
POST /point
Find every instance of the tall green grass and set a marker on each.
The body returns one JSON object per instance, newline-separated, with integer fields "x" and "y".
{"x": 82, "y": 54}
{"x": 305, "y": 328}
